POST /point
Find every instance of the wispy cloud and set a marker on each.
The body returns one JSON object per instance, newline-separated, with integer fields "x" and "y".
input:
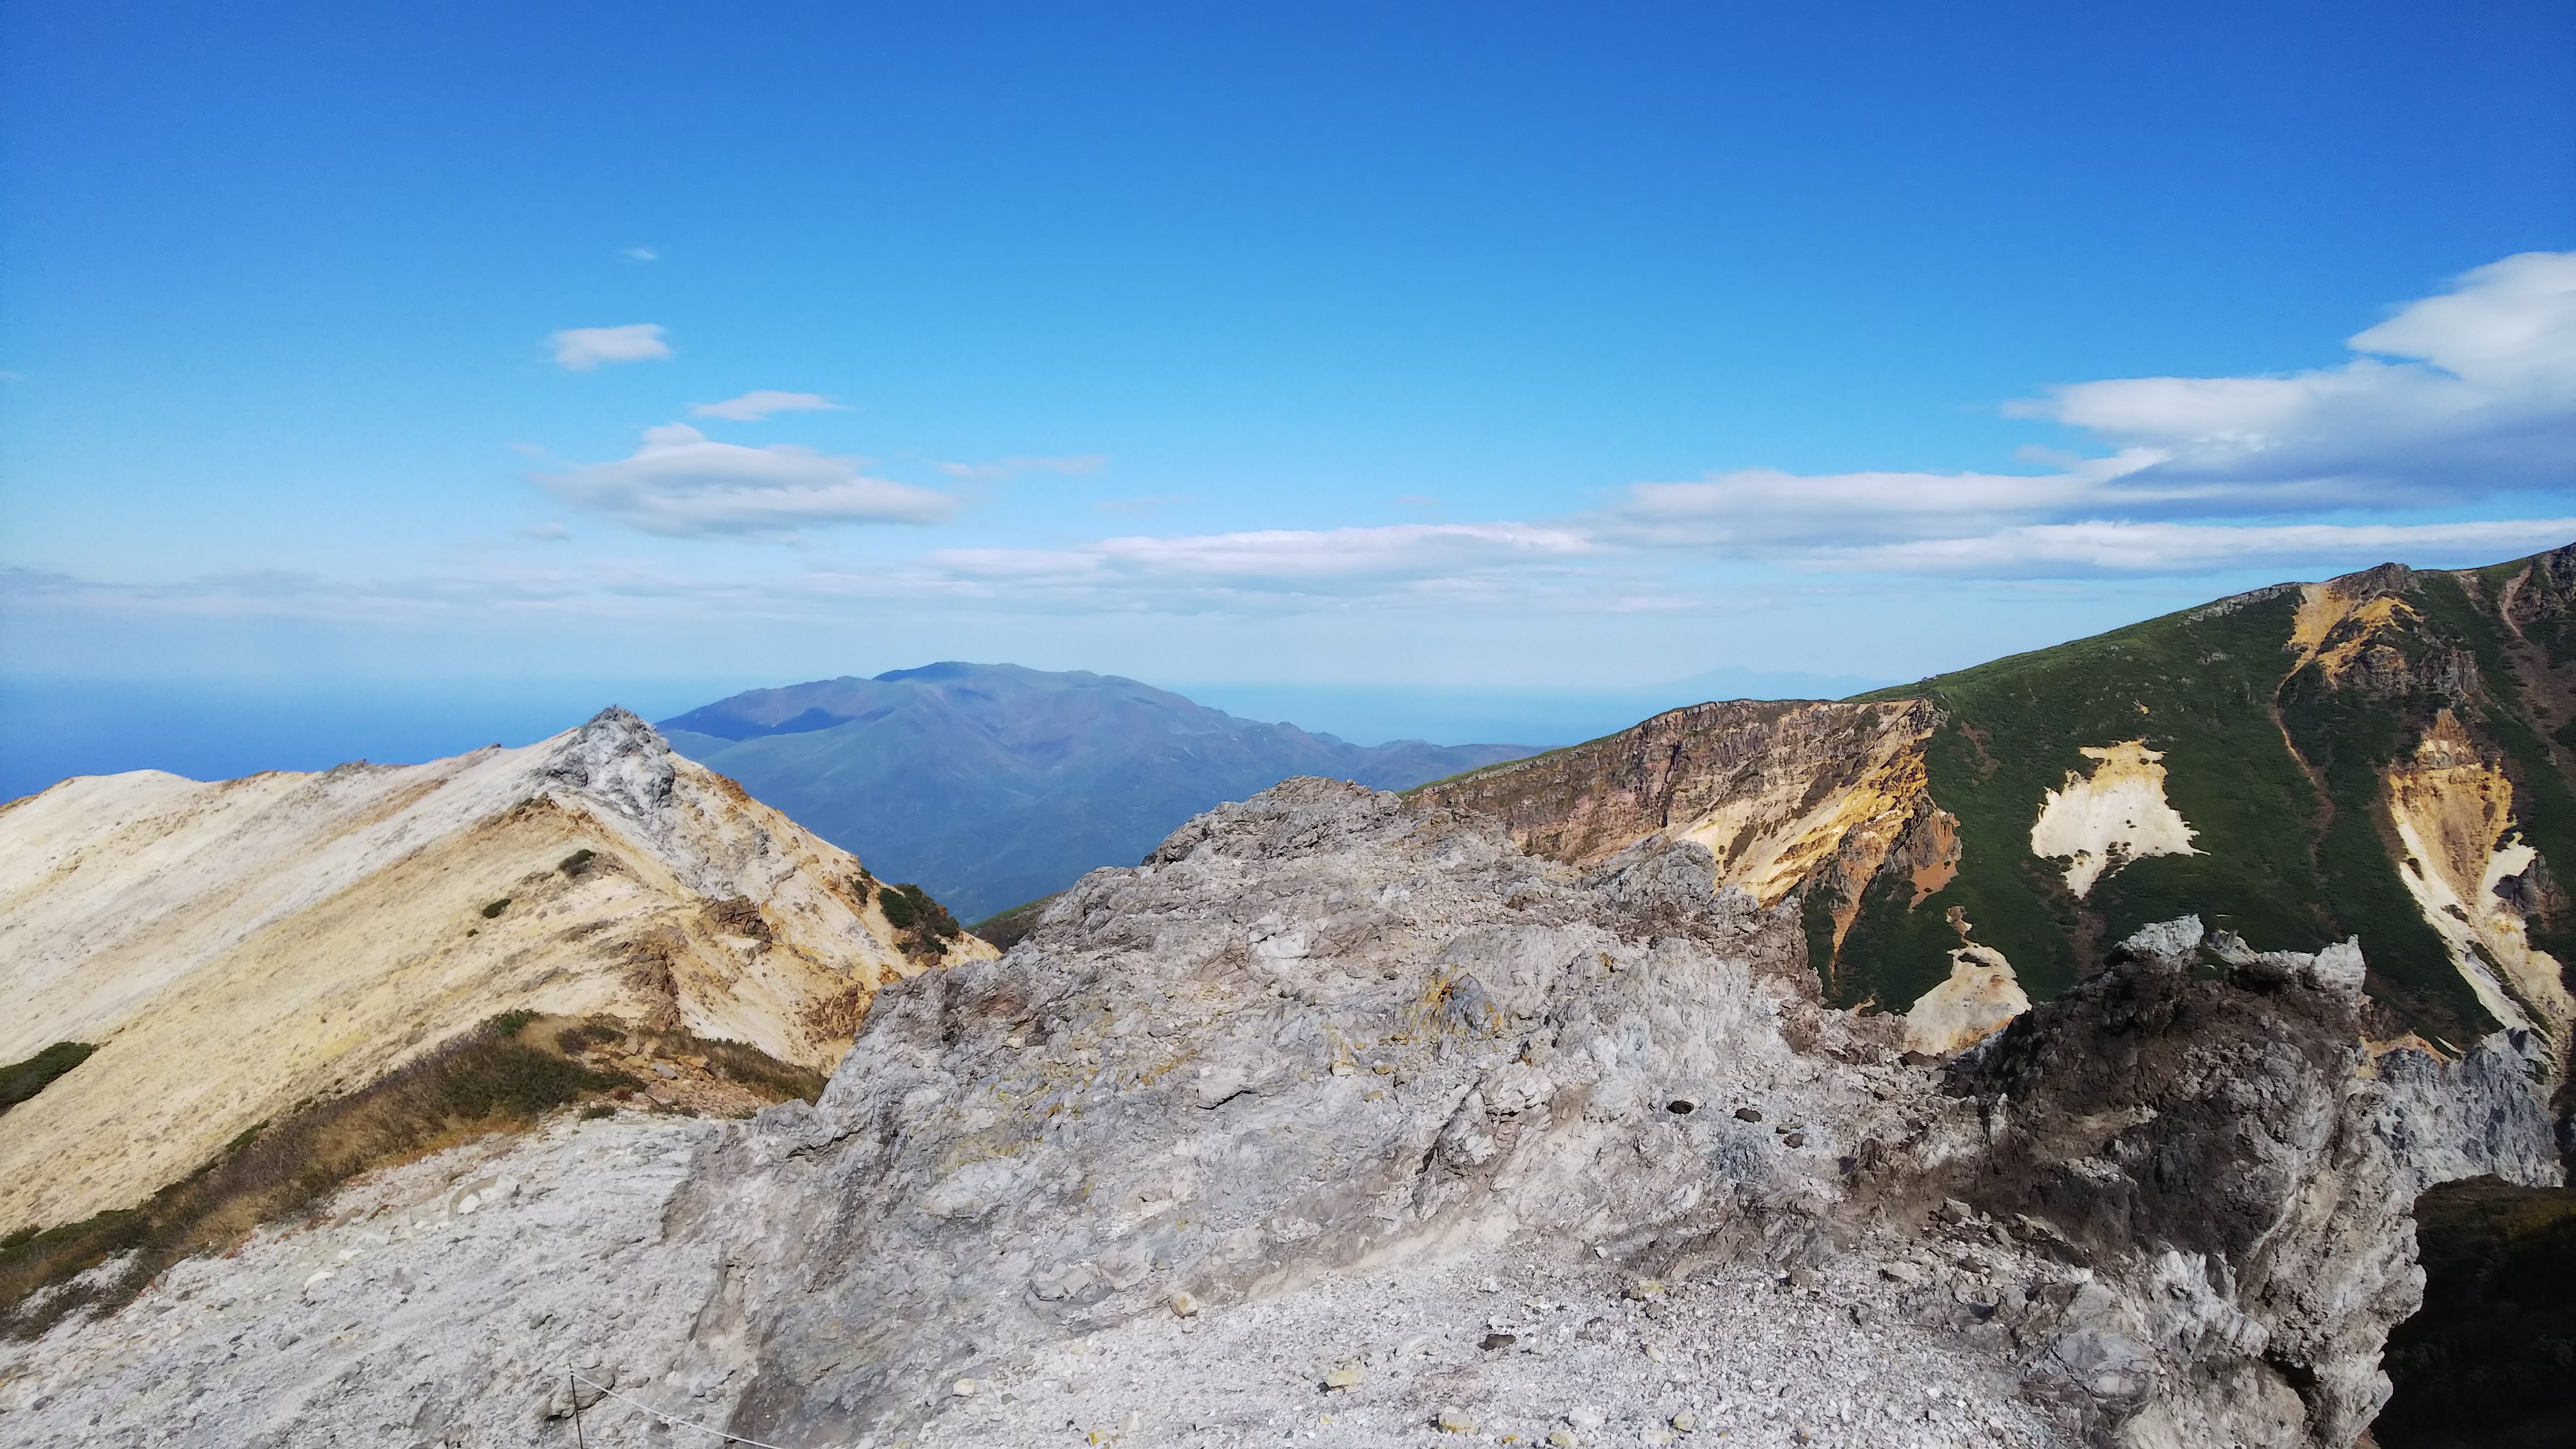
{"x": 2480, "y": 404}
{"x": 2480, "y": 398}
{"x": 580, "y": 349}
{"x": 1417, "y": 559}
{"x": 751, "y": 407}
{"x": 2055, "y": 550}
{"x": 682, "y": 484}
{"x": 1078, "y": 463}
{"x": 640, "y": 254}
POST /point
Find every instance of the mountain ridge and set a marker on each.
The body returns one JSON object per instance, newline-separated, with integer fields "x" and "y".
{"x": 2384, "y": 754}
{"x": 994, "y": 785}
{"x": 237, "y": 948}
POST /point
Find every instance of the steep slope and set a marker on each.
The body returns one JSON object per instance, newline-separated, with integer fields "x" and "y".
{"x": 1789, "y": 798}
{"x": 237, "y": 948}
{"x": 1347, "y": 1122}
{"x": 2384, "y": 754}
{"x": 993, "y": 785}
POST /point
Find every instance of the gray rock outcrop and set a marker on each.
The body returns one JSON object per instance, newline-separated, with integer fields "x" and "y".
{"x": 2240, "y": 1171}
{"x": 1341, "y": 1117}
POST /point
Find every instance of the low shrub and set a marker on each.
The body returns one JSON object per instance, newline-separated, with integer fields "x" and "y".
{"x": 496, "y": 908}
{"x": 497, "y": 1076}
{"x": 22, "y": 1080}
{"x": 909, "y": 908}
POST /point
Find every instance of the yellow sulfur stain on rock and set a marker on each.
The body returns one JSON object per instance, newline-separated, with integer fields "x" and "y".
{"x": 1786, "y": 796}
{"x": 2454, "y": 814}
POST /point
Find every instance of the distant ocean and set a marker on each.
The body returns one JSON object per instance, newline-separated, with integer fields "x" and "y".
{"x": 54, "y": 728}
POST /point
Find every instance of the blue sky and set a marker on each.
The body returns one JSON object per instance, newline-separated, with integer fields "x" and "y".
{"x": 652, "y": 352}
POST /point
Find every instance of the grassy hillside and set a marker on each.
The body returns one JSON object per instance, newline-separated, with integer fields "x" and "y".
{"x": 2280, "y": 773}
{"x": 2196, "y": 686}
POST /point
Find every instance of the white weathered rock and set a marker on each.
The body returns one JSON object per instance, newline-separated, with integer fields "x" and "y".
{"x": 242, "y": 946}
{"x": 1028, "y": 1219}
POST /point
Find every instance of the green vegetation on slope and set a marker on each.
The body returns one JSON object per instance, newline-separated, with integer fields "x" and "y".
{"x": 2488, "y": 1359}
{"x": 2196, "y": 686}
{"x": 2283, "y": 779}
{"x": 21, "y": 1080}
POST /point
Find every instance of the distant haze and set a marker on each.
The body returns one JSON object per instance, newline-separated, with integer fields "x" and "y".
{"x": 991, "y": 784}
{"x": 1548, "y": 717}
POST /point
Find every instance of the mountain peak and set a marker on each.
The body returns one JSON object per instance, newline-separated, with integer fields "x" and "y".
{"x": 995, "y": 784}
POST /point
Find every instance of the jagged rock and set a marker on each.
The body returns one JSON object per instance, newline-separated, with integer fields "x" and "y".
{"x": 2220, "y": 1156}
{"x": 1020, "y": 1172}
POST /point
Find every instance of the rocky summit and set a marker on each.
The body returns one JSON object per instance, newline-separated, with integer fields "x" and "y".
{"x": 1343, "y": 1119}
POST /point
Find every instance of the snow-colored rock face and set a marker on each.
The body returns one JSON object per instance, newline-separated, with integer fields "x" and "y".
{"x": 1981, "y": 995}
{"x": 238, "y": 947}
{"x": 2115, "y": 815}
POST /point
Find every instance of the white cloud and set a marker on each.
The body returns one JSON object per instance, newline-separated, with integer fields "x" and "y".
{"x": 545, "y": 533}
{"x": 579, "y": 349}
{"x": 751, "y": 407}
{"x": 2480, "y": 399}
{"x": 2479, "y": 402}
{"x": 682, "y": 484}
{"x": 1765, "y": 511}
{"x": 1413, "y": 558}
{"x": 640, "y": 254}
{"x": 1011, "y": 467}
{"x": 2055, "y": 550}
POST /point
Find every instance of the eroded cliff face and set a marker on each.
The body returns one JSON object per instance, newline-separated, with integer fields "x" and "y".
{"x": 2383, "y": 754}
{"x": 1339, "y": 1115}
{"x": 2467, "y": 672}
{"x": 238, "y": 947}
{"x": 1815, "y": 799}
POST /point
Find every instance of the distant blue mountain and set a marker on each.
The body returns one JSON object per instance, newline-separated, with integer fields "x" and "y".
{"x": 990, "y": 784}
